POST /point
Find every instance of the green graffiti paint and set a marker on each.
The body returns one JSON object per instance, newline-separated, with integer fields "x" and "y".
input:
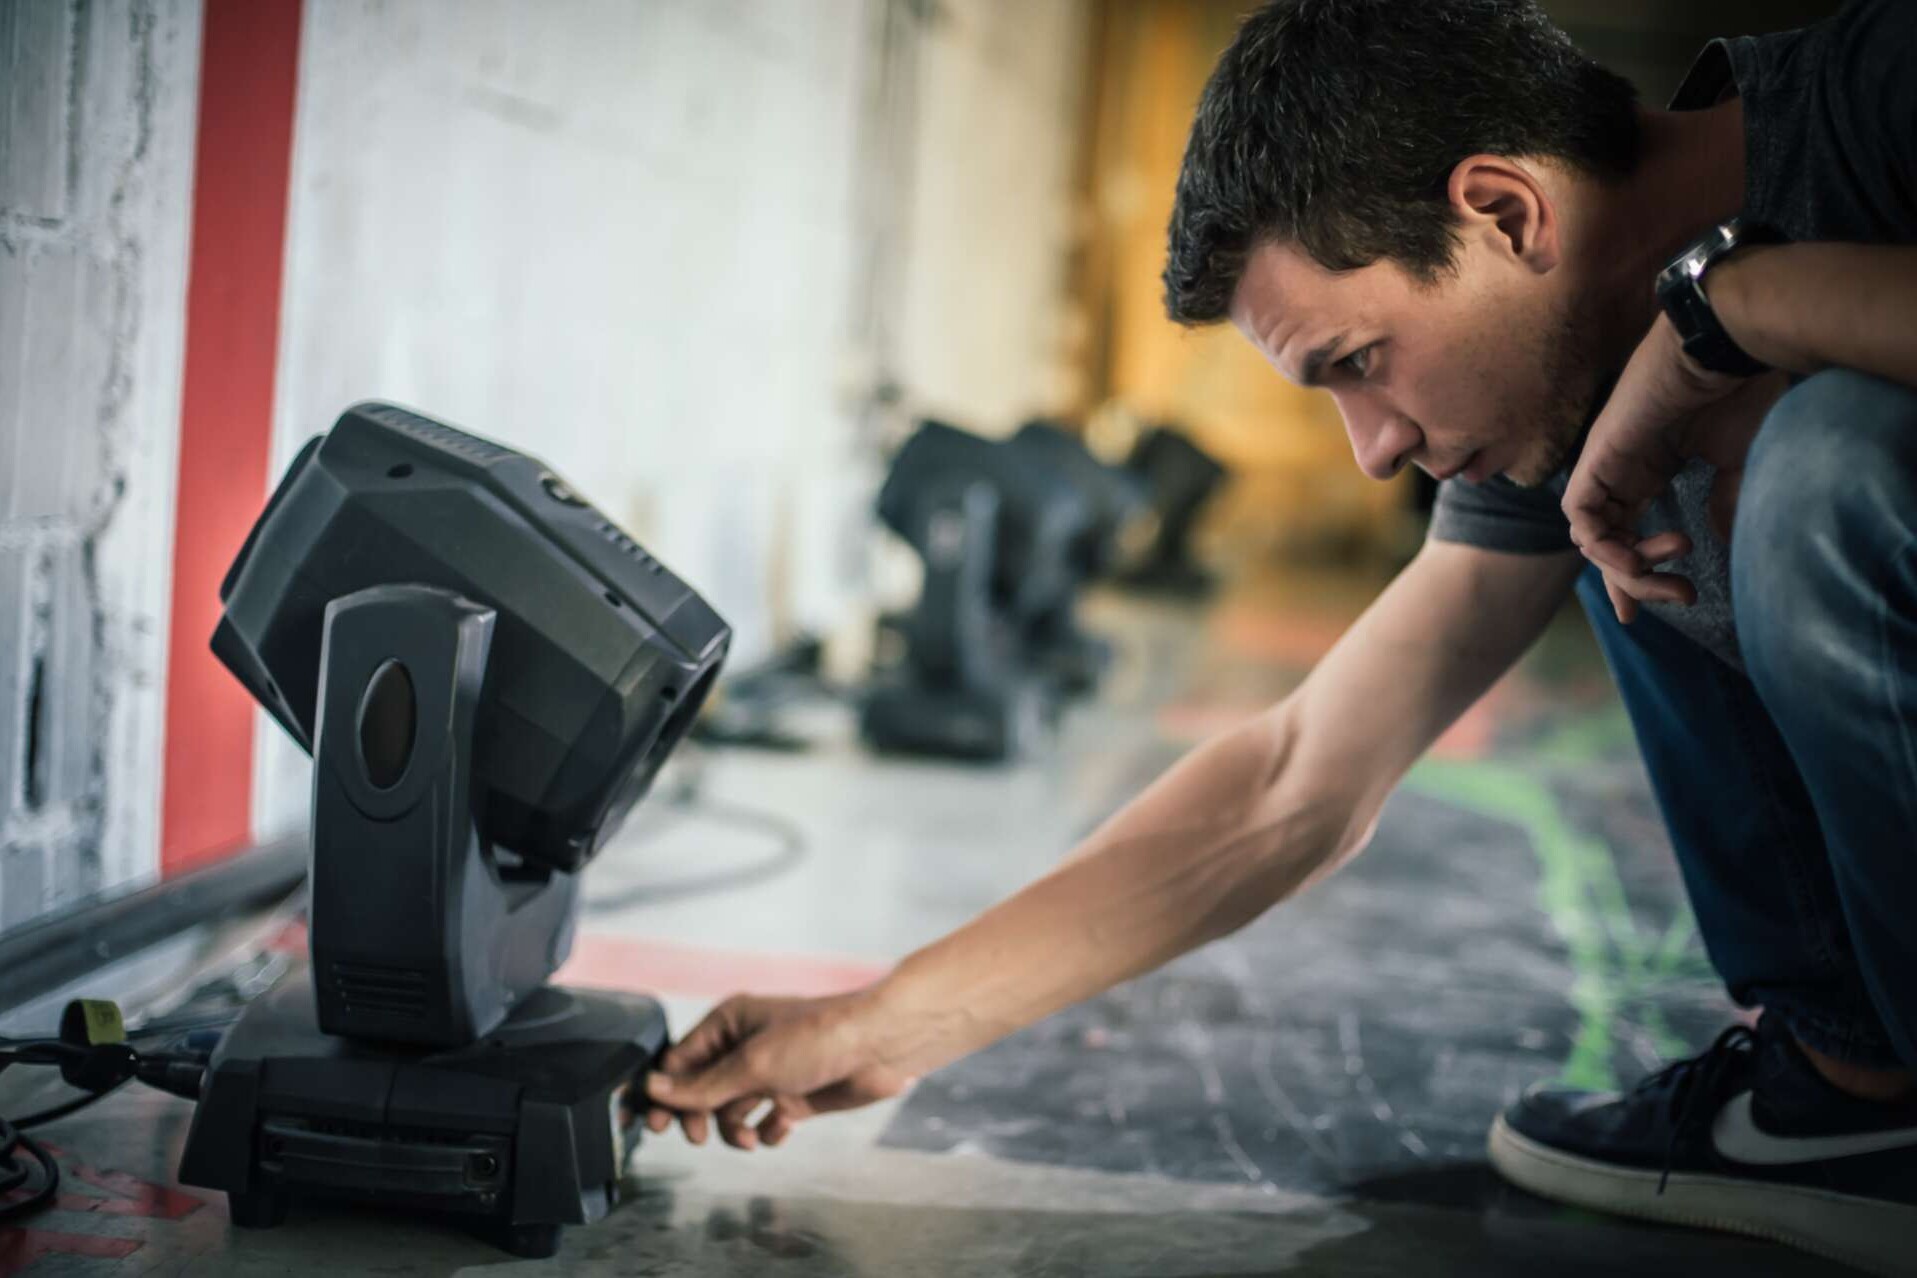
{"x": 1614, "y": 965}
{"x": 1505, "y": 793}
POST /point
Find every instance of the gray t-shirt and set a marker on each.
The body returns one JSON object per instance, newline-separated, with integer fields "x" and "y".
{"x": 1830, "y": 153}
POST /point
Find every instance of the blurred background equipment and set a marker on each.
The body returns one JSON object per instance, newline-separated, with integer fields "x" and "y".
{"x": 748, "y": 707}
{"x": 1118, "y": 504}
{"x": 1181, "y": 478}
{"x": 995, "y": 534}
{"x": 1010, "y": 534}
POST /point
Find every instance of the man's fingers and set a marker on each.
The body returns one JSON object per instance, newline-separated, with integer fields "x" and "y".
{"x": 1662, "y": 547}
{"x": 660, "y": 1089}
{"x": 1596, "y": 513}
{"x": 1654, "y": 587}
{"x": 722, "y": 1026}
{"x": 1616, "y": 558}
{"x": 734, "y": 1125}
{"x": 723, "y": 1083}
{"x": 786, "y": 1111}
{"x": 1627, "y": 593}
{"x": 1661, "y": 587}
{"x": 1628, "y": 576}
{"x": 657, "y": 1120}
{"x": 734, "y": 1073}
{"x": 1589, "y": 527}
{"x": 1622, "y": 604}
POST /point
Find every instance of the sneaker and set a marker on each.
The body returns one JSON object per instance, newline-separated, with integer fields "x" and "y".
{"x": 1746, "y": 1137}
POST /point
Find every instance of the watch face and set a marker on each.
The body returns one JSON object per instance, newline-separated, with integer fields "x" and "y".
{"x": 1680, "y": 269}
{"x": 1680, "y": 291}
{"x": 1696, "y": 258}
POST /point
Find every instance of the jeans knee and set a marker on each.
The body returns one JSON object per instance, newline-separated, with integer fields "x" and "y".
{"x": 1828, "y": 499}
{"x": 1834, "y": 440}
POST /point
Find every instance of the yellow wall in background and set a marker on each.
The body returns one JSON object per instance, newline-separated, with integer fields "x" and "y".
{"x": 1296, "y": 485}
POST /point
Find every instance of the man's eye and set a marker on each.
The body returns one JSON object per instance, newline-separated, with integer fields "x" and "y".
{"x": 1358, "y": 362}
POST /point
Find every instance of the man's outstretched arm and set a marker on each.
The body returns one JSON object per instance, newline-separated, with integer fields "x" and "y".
{"x": 1237, "y": 825}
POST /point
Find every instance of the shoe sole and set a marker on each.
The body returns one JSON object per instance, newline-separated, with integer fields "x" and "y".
{"x": 1868, "y": 1233}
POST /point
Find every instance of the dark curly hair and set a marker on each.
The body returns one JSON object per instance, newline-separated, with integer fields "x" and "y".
{"x": 1335, "y": 124}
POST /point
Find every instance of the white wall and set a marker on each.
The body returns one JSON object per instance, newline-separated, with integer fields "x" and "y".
{"x": 999, "y": 108}
{"x": 610, "y": 233}
{"x": 647, "y": 240}
{"x": 627, "y": 237}
{"x": 96, "y": 136}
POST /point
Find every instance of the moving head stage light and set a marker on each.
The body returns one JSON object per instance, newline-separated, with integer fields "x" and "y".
{"x": 1181, "y": 478}
{"x": 1117, "y": 497}
{"x": 995, "y": 532}
{"x": 1118, "y": 502}
{"x": 487, "y": 673}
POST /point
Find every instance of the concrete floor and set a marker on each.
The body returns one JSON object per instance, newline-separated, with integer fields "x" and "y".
{"x": 1309, "y": 1096}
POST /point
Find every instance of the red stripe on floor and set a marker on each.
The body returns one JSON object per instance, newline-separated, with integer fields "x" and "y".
{"x": 666, "y": 967}
{"x": 133, "y": 1196}
{"x": 21, "y": 1247}
{"x": 243, "y": 157}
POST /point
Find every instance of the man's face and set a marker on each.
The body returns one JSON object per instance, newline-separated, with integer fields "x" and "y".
{"x": 1483, "y": 373}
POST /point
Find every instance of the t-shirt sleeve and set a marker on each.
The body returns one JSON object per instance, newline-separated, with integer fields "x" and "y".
{"x": 1500, "y": 515}
{"x": 1838, "y": 158}
{"x": 1869, "y": 71}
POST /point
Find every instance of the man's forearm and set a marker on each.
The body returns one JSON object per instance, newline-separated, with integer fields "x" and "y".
{"x": 1805, "y": 307}
{"x": 1207, "y": 848}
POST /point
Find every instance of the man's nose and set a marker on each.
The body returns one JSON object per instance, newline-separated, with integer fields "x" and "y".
{"x": 1381, "y": 441}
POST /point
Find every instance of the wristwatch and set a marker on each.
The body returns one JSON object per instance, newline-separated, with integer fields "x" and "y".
{"x": 1680, "y": 291}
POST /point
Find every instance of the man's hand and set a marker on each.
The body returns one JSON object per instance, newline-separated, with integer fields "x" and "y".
{"x": 1664, "y": 411}
{"x": 805, "y": 1056}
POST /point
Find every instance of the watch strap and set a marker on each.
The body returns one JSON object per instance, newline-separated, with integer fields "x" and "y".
{"x": 1680, "y": 291}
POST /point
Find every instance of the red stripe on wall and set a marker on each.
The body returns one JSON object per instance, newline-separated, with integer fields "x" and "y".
{"x": 248, "y": 68}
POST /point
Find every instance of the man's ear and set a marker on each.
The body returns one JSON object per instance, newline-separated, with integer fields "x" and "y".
{"x": 1502, "y": 200}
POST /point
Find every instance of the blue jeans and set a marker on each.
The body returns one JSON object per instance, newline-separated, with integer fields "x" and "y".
{"x": 1791, "y": 794}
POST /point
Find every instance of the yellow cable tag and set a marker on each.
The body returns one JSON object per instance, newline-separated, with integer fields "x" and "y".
{"x": 97, "y": 1019}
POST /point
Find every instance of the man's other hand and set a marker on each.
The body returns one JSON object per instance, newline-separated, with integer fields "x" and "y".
{"x": 797, "y": 1056}
{"x": 1664, "y": 411}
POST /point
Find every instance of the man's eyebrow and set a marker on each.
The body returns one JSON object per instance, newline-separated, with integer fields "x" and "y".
{"x": 1312, "y": 374}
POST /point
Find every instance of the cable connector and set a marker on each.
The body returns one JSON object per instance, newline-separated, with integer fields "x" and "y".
{"x": 96, "y": 1031}
{"x": 180, "y": 1075}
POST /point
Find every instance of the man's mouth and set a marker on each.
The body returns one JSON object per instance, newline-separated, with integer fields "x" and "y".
{"x": 1462, "y": 468}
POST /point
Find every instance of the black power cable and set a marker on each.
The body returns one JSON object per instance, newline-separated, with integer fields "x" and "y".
{"x": 14, "y": 1140}
{"x": 14, "y": 1173}
{"x": 113, "y": 1065}
{"x": 788, "y": 848}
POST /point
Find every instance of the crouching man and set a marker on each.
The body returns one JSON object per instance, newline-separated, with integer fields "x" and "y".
{"x": 1664, "y": 359}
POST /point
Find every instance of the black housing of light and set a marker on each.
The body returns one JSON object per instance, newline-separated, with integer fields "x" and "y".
{"x": 600, "y": 656}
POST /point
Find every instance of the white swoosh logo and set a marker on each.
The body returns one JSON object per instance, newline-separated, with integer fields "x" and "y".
{"x": 1739, "y": 1139}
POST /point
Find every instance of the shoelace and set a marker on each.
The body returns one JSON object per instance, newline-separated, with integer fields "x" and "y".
{"x": 1693, "y": 1085}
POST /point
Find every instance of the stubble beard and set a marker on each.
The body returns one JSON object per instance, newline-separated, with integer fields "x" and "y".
{"x": 1574, "y": 395}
